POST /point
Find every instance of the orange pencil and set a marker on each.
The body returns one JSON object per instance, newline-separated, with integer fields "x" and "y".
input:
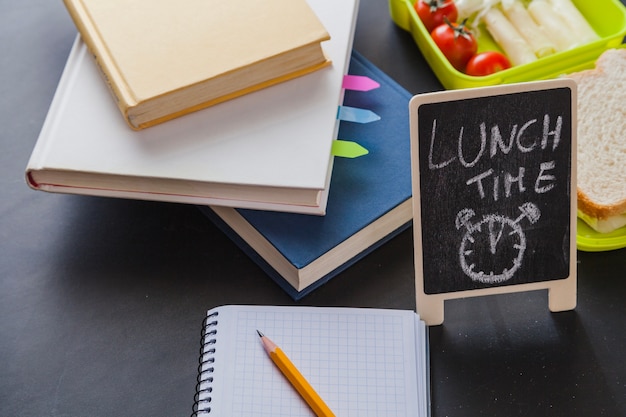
{"x": 296, "y": 379}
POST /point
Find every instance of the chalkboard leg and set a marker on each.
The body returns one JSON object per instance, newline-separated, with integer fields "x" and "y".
{"x": 562, "y": 296}
{"x": 430, "y": 309}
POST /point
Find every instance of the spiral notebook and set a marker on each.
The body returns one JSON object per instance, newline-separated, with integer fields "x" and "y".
{"x": 361, "y": 361}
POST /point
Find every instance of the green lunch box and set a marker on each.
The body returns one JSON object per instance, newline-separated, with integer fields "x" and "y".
{"x": 606, "y": 17}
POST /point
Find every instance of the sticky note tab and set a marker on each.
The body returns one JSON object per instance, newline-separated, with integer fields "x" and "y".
{"x": 348, "y": 149}
{"x": 359, "y": 83}
{"x": 354, "y": 114}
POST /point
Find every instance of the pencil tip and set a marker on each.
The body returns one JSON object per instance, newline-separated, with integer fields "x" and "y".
{"x": 260, "y": 334}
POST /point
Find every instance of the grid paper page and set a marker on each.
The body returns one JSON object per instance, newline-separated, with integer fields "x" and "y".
{"x": 362, "y": 362}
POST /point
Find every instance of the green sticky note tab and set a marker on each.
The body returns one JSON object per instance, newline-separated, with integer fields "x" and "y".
{"x": 348, "y": 149}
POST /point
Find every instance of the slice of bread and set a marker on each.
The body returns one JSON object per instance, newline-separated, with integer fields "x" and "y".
{"x": 602, "y": 138}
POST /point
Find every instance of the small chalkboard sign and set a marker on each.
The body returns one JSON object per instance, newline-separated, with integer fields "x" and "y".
{"x": 494, "y": 193}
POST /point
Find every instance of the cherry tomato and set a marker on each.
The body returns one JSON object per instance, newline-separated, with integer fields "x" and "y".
{"x": 456, "y": 43}
{"x": 431, "y": 12}
{"x": 486, "y": 63}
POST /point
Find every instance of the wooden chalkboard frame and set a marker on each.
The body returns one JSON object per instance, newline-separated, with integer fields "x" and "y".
{"x": 561, "y": 287}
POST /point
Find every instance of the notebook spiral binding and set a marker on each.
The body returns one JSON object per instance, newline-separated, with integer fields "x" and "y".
{"x": 204, "y": 384}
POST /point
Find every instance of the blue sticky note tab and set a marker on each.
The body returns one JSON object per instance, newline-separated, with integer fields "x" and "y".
{"x": 354, "y": 114}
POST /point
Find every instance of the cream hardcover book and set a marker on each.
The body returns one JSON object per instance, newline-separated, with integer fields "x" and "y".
{"x": 269, "y": 150}
{"x": 163, "y": 59}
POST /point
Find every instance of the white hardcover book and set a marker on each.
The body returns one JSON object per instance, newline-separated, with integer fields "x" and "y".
{"x": 269, "y": 150}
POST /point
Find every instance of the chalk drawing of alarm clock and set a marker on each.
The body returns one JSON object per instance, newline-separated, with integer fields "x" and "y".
{"x": 492, "y": 249}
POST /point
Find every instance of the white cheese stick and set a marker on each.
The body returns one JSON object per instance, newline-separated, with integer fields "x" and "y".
{"x": 576, "y": 21}
{"x": 554, "y": 26}
{"x": 528, "y": 28}
{"x": 466, "y": 8}
{"x": 504, "y": 33}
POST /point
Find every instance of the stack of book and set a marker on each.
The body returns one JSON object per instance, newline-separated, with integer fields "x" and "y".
{"x": 260, "y": 162}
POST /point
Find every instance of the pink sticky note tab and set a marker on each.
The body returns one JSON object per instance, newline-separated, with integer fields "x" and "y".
{"x": 359, "y": 83}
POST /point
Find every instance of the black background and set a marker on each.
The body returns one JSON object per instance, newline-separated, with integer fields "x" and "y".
{"x": 102, "y": 300}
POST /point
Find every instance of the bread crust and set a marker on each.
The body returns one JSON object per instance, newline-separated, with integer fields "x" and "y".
{"x": 599, "y": 211}
{"x": 601, "y": 131}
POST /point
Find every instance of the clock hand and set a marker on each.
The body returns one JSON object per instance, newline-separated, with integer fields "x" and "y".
{"x": 494, "y": 235}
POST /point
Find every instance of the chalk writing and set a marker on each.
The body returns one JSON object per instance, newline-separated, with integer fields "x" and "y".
{"x": 523, "y": 139}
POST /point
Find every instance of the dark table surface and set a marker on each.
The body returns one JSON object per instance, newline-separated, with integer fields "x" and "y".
{"x": 101, "y": 300}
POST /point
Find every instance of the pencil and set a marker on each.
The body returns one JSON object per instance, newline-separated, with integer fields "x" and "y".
{"x": 296, "y": 379}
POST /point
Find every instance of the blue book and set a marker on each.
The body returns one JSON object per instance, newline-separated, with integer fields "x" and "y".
{"x": 369, "y": 200}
